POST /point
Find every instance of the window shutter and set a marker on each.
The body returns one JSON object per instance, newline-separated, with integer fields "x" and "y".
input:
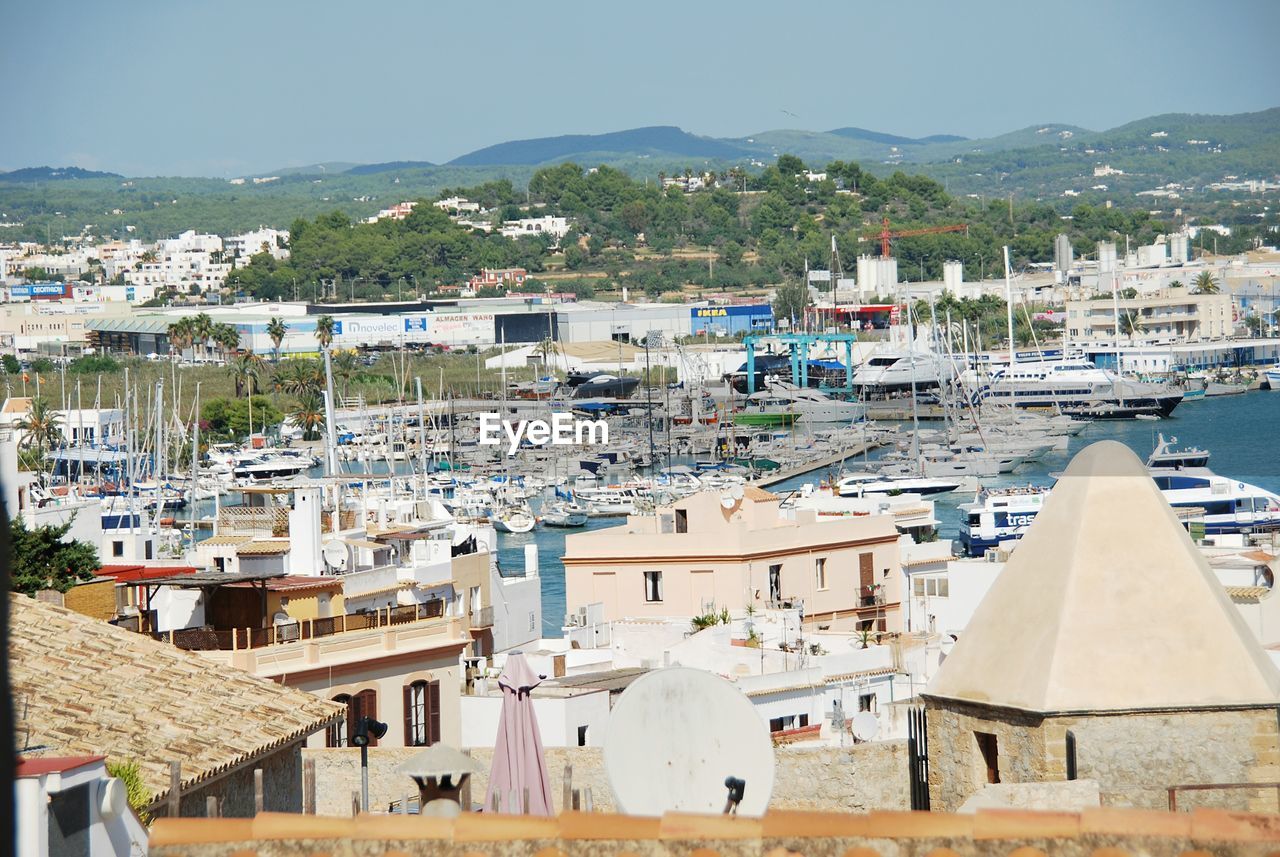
{"x": 366, "y": 706}
{"x": 408, "y": 715}
{"x": 433, "y": 712}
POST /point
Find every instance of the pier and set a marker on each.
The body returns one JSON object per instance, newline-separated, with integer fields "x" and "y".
{"x": 783, "y": 475}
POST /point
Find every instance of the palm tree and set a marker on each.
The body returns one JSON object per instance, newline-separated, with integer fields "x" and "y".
{"x": 226, "y": 337}
{"x": 201, "y": 330}
{"x": 299, "y": 377}
{"x": 1130, "y": 324}
{"x": 247, "y": 370}
{"x": 324, "y": 330}
{"x": 276, "y": 329}
{"x": 40, "y": 425}
{"x": 344, "y": 367}
{"x": 1206, "y": 284}
{"x": 1177, "y": 284}
{"x": 309, "y": 416}
{"x": 181, "y": 335}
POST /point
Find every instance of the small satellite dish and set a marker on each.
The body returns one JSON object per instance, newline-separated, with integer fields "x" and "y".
{"x": 728, "y": 502}
{"x": 866, "y": 726}
{"x": 736, "y": 492}
{"x": 698, "y": 732}
{"x": 335, "y": 554}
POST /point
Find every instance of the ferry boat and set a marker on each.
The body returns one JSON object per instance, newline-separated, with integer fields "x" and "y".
{"x": 1072, "y": 383}
{"x": 1225, "y": 505}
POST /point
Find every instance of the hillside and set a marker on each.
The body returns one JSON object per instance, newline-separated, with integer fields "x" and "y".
{"x": 658, "y": 141}
{"x": 50, "y": 174}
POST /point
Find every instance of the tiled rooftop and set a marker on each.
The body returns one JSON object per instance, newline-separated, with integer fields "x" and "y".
{"x": 1093, "y": 833}
{"x": 81, "y": 686}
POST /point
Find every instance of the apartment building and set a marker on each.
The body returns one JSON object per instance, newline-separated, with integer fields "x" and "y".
{"x": 1171, "y": 314}
{"x": 709, "y": 552}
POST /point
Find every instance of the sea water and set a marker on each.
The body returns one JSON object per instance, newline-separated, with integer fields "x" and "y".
{"x": 1242, "y": 433}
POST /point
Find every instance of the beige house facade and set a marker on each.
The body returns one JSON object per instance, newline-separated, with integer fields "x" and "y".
{"x": 708, "y": 552}
{"x": 1172, "y": 314}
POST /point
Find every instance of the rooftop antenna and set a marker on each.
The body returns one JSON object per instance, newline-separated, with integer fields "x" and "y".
{"x": 712, "y": 753}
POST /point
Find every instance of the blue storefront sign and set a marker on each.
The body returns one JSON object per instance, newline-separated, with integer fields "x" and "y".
{"x": 46, "y": 288}
{"x": 731, "y": 319}
{"x": 417, "y": 322}
{"x": 20, "y": 291}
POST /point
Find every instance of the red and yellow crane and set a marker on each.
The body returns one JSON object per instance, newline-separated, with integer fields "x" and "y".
{"x": 885, "y": 235}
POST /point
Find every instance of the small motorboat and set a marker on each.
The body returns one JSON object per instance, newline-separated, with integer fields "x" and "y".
{"x": 565, "y": 515}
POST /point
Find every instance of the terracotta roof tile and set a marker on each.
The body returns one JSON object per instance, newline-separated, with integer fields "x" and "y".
{"x": 88, "y": 687}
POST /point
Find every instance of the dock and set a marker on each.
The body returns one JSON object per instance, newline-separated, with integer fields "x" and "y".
{"x": 818, "y": 464}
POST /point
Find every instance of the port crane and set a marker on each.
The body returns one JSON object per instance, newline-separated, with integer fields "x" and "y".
{"x": 886, "y": 235}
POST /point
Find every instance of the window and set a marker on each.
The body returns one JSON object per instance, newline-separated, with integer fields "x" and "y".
{"x": 917, "y": 587}
{"x": 652, "y": 586}
{"x": 582, "y": 736}
{"x": 337, "y": 734}
{"x": 422, "y": 713}
{"x": 146, "y": 549}
{"x": 364, "y": 703}
{"x": 775, "y": 583}
{"x": 820, "y": 572}
{"x": 682, "y": 521}
{"x": 117, "y": 548}
{"x": 867, "y": 702}
{"x": 1071, "y": 755}
{"x": 988, "y": 748}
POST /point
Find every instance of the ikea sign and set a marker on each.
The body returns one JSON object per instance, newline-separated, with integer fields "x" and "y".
{"x": 733, "y": 311}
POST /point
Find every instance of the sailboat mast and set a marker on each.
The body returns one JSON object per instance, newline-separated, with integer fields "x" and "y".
{"x": 1008, "y": 298}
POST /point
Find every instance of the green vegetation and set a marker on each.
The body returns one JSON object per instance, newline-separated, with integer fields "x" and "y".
{"x": 42, "y": 560}
{"x": 231, "y": 418}
{"x": 130, "y": 773}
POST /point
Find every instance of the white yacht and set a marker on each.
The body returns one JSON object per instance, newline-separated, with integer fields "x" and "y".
{"x": 861, "y": 484}
{"x": 800, "y": 404}
{"x": 1069, "y": 382}
{"x": 1273, "y": 376}
{"x": 898, "y": 371}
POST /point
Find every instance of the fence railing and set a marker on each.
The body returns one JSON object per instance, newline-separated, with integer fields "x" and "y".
{"x": 1207, "y": 787}
{"x": 234, "y": 639}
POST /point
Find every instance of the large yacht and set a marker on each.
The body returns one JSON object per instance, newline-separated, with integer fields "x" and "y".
{"x": 899, "y": 370}
{"x": 783, "y": 404}
{"x": 1069, "y": 383}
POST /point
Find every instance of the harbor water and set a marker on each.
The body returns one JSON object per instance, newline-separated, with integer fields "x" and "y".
{"x": 1242, "y": 433}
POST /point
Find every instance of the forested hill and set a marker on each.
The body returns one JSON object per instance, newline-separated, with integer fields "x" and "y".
{"x": 662, "y": 141}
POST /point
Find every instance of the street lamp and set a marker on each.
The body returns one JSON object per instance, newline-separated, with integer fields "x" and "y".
{"x": 365, "y": 727}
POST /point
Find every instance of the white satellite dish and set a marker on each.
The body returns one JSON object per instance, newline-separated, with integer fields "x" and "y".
{"x": 675, "y": 736}
{"x": 335, "y": 554}
{"x": 736, "y": 492}
{"x": 865, "y": 726}
{"x": 728, "y": 502}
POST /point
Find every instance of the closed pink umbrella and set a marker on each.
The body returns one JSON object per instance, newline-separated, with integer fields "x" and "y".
{"x": 518, "y": 763}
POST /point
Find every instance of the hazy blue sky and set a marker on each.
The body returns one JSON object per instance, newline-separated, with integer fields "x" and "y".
{"x": 196, "y": 87}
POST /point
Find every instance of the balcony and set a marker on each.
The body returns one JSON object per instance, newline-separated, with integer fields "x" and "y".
{"x": 239, "y": 639}
{"x": 482, "y": 618}
{"x": 256, "y": 519}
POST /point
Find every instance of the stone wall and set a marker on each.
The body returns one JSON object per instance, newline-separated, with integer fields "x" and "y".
{"x": 281, "y": 788}
{"x": 858, "y": 778}
{"x": 956, "y": 767}
{"x": 1135, "y": 758}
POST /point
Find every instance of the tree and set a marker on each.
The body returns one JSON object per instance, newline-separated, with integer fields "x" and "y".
{"x": 309, "y": 416}
{"x": 230, "y": 417}
{"x": 1130, "y": 324}
{"x": 324, "y": 331}
{"x": 299, "y": 377}
{"x": 1206, "y": 284}
{"x": 226, "y": 337}
{"x": 181, "y": 334}
{"x": 344, "y": 366}
{"x": 276, "y": 329}
{"x": 201, "y": 331}
{"x": 790, "y": 301}
{"x": 40, "y": 425}
{"x": 247, "y": 370}
{"x": 43, "y": 560}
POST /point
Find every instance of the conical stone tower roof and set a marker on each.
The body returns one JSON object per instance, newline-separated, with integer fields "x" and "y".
{"x": 1106, "y": 605}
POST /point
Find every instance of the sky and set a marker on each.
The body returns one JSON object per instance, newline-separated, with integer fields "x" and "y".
{"x": 230, "y": 87}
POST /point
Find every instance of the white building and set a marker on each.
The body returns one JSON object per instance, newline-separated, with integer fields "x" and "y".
{"x": 71, "y": 805}
{"x": 556, "y": 227}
